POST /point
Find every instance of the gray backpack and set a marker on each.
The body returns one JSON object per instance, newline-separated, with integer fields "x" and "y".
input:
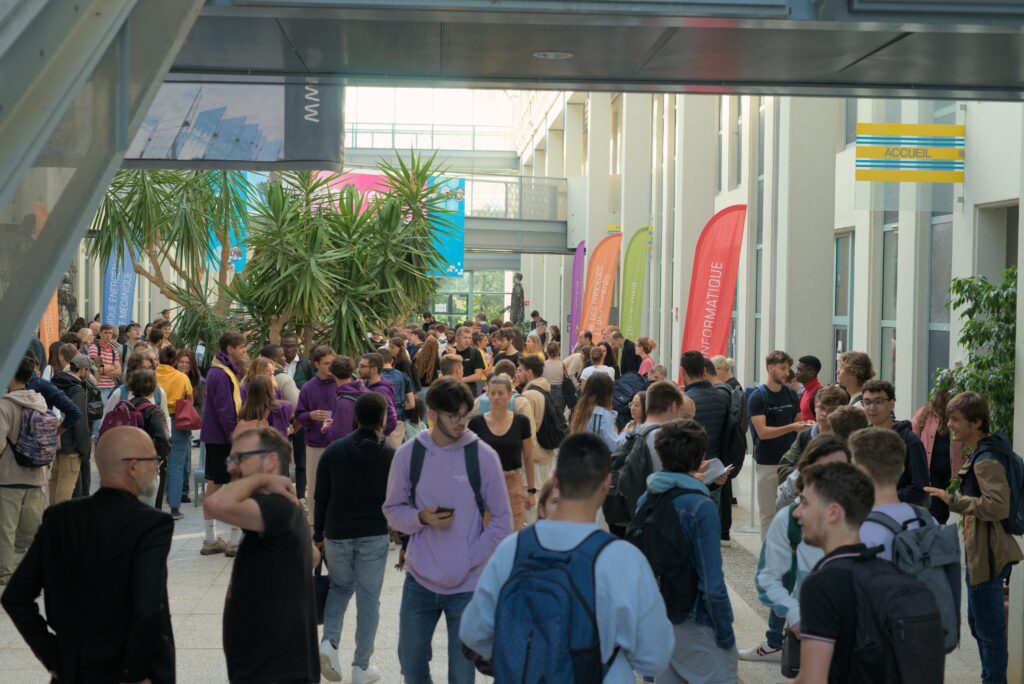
{"x": 931, "y": 554}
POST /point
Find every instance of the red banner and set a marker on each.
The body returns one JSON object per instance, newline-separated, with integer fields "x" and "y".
{"x": 602, "y": 268}
{"x": 716, "y": 263}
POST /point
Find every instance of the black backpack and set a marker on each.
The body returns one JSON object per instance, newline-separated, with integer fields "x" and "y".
{"x": 553, "y": 428}
{"x": 623, "y": 391}
{"x": 899, "y": 630}
{"x": 734, "y": 432}
{"x": 629, "y": 479}
{"x": 655, "y": 530}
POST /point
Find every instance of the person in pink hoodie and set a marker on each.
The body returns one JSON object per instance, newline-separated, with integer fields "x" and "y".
{"x": 442, "y": 511}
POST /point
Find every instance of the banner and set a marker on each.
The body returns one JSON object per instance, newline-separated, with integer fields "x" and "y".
{"x": 118, "y": 290}
{"x": 917, "y": 153}
{"x": 49, "y": 324}
{"x": 597, "y": 295}
{"x": 716, "y": 264}
{"x": 576, "y": 306}
{"x": 634, "y": 279}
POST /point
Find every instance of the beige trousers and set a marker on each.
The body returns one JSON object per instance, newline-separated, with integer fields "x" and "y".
{"x": 767, "y": 491}
{"x": 63, "y": 476}
{"x": 21, "y": 511}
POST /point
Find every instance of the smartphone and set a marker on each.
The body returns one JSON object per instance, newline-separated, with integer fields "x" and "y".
{"x": 445, "y": 509}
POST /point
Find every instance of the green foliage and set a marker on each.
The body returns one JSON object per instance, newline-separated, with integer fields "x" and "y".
{"x": 988, "y": 335}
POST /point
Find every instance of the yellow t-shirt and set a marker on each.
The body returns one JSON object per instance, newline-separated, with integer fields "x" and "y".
{"x": 175, "y": 385}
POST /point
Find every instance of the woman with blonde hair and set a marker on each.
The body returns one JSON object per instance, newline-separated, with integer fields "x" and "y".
{"x": 533, "y": 346}
{"x": 723, "y": 369}
{"x": 261, "y": 365}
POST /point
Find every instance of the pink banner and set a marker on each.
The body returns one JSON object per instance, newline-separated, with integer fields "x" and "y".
{"x": 576, "y": 307}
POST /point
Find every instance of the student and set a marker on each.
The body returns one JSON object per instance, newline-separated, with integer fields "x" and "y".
{"x": 878, "y": 399}
{"x": 855, "y": 369}
{"x": 633, "y": 632}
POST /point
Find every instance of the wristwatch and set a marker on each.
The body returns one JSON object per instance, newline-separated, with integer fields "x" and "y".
{"x": 531, "y": 490}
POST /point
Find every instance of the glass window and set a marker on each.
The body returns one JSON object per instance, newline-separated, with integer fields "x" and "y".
{"x": 938, "y": 353}
{"x": 755, "y": 375}
{"x": 841, "y": 306}
{"x": 758, "y": 274}
{"x": 941, "y": 270}
{"x": 890, "y": 239}
{"x": 738, "y": 143}
{"x": 887, "y": 370}
{"x": 850, "y": 133}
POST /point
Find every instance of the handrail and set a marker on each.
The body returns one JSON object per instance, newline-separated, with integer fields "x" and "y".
{"x": 428, "y": 136}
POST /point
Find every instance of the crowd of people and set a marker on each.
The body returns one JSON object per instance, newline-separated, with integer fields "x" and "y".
{"x": 564, "y": 508}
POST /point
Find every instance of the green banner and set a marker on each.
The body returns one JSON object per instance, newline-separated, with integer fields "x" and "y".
{"x": 634, "y": 280}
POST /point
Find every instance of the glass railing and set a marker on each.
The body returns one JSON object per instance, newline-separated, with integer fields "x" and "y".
{"x": 428, "y": 137}
{"x": 516, "y": 197}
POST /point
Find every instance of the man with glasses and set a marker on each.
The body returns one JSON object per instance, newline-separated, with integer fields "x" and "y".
{"x": 826, "y": 401}
{"x": 440, "y": 486}
{"x": 101, "y": 565}
{"x": 270, "y": 609}
{"x": 878, "y": 399}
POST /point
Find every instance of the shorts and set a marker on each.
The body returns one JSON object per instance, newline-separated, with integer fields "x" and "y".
{"x": 217, "y": 463}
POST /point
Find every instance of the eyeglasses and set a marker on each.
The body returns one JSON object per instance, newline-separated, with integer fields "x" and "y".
{"x": 143, "y": 458}
{"x": 237, "y": 456}
{"x": 456, "y": 417}
{"x": 290, "y": 346}
{"x": 871, "y": 403}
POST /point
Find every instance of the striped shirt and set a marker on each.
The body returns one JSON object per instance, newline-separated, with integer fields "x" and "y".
{"x": 108, "y": 355}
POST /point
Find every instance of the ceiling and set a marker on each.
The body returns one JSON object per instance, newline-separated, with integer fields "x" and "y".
{"x": 906, "y": 48}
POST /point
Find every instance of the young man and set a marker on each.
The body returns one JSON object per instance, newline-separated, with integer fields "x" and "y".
{"x": 350, "y": 529}
{"x": 317, "y": 399}
{"x": 176, "y": 386}
{"x": 350, "y": 388}
{"x": 370, "y": 367}
{"x": 107, "y": 358}
{"x": 536, "y": 390}
{"x": 132, "y": 334}
{"x": 221, "y": 406}
{"x": 405, "y": 397}
{"x": 878, "y": 399}
{"x": 451, "y": 367}
{"x": 111, "y": 622}
{"x": 705, "y": 647}
{"x": 21, "y": 489}
{"x": 506, "y": 347}
{"x": 629, "y": 361}
{"x": 983, "y": 500}
{"x": 807, "y": 369}
{"x": 443, "y": 516}
{"x": 836, "y": 499}
{"x": 712, "y": 405}
{"x": 75, "y": 446}
{"x": 428, "y": 320}
{"x": 827, "y": 400}
{"x": 632, "y": 629}
{"x": 535, "y": 319}
{"x": 272, "y": 578}
{"x": 472, "y": 359}
{"x": 301, "y": 370}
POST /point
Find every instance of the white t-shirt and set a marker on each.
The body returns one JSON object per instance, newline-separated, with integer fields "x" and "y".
{"x": 630, "y": 610}
{"x": 873, "y": 534}
{"x": 590, "y": 370}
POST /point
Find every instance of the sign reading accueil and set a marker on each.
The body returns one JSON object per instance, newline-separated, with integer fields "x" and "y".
{"x": 910, "y": 153}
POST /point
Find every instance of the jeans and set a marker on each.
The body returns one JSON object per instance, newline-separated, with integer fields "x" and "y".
{"x": 987, "y": 621}
{"x": 776, "y": 630}
{"x": 355, "y": 565}
{"x": 298, "y": 440}
{"x": 105, "y": 393}
{"x": 181, "y": 445}
{"x": 417, "y": 619}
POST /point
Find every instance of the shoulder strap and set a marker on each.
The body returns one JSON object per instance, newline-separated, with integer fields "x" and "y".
{"x": 794, "y": 531}
{"x": 415, "y": 468}
{"x": 885, "y": 520}
{"x": 472, "y": 457}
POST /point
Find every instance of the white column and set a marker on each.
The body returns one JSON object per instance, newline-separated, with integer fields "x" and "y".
{"x": 867, "y": 260}
{"x": 555, "y": 154}
{"x": 663, "y": 261}
{"x": 636, "y": 165}
{"x": 1015, "y": 623}
{"x": 598, "y": 160}
{"x": 573, "y": 140}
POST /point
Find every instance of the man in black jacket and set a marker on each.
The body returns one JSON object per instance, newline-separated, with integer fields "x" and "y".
{"x": 712, "y": 405}
{"x": 101, "y": 564}
{"x": 301, "y": 370}
{"x": 75, "y": 446}
{"x": 629, "y": 361}
{"x": 878, "y": 399}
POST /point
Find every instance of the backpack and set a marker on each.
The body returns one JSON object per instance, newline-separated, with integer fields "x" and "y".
{"x": 472, "y": 458}
{"x": 125, "y": 414}
{"x": 794, "y": 535}
{"x": 37, "y": 438}
{"x": 656, "y": 531}
{"x": 570, "y": 393}
{"x": 94, "y": 406}
{"x": 545, "y": 625}
{"x": 552, "y": 428}
{"x": 1014, "y": 522}
{"x": 898, "y": 623}
{"x": 623, "y": 391}
{"x": 158, "y": 395}
{"x": 734, "y": 432}
{"x": 931, "y": 554}
{"x": 629, "y": 480}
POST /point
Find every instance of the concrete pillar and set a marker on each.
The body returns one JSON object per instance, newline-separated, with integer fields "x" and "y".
{"x": 539, "y": 162}
{"x": 573, "y": 140}
{"x": 598, "y": 160}
{"x": 636, "y": 165}
{"x": 1015, "y": 623}
{"x": 555, "y": 154}
{"x": 664, "y": 240}
{"x": 867, "y": 258}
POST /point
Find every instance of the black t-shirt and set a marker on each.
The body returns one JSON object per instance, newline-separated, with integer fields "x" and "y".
{"x": 514, "y": 358}
{"x": 779, "y": 409}
{"x": 509, "y": 445}
{"x": 472, "y": 361}
{"x": 828, "y": 610}
{"x": 269, "y": 623}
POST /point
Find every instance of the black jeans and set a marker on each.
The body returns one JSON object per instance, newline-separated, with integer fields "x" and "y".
{"x": 299, "y": 459}
{"x": 725, "y": 509}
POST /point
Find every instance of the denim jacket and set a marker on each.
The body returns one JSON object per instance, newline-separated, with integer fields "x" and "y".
{"x": 698, "y": 518}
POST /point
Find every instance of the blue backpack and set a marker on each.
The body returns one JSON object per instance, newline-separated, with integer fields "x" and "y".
{"x": 545, "y": 627}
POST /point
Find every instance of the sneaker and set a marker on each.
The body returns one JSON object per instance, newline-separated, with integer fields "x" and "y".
{"x": 177, "y": 514}
{"x": 361, "y": 676}
{"x": 210, "y": 548}
{"x": 763, "y": 654}
{"x": 231, "y": 550}
{"x": 329, "y": 667}
{"x": 185, "y": 498}
{"x": 726, "y": 543}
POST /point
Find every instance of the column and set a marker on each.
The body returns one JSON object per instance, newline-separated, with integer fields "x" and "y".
{"x": 598, "y": 160}
{"x": 555, "y": 154}
{"x": 573, "y": 140}
{"x": 1015, "y": 622}
{"x": 636, "y": 165}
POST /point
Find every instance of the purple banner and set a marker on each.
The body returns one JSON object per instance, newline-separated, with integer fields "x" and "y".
{"x": 576, "y": 310}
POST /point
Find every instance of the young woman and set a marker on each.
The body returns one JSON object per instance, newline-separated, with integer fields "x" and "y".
{"x": 400, "y": 361}
{"x": 427, "y": 363}
{"x": 554, "y": 334}
{"x": 186, "y": 362}
{"x": 53, "y": 363}
{"x": 945, "y": 455}
{"x": 261, "y": 365}
{"x": 547, "y": 501}
{"x": 508, "y": 434}
{"x": 594, "y": 413}
{"x": 645, "y": 346}
{"x": 480, "y": 341}
{"x": 136, "y": 362}
{"x": 638, "y": 411}
{"x": 555, "y": 373}
{"x": 597, "y": 366}
{"x": 723, "y": 369}
{"x": 533, "y": 346}
{"x": 262, "y": 407}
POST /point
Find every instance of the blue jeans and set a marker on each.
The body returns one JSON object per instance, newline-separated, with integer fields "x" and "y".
{"x": 987, "y": 621}
{"x": 355, "y": 565}
{"x": 775, "y": 634}
{"x": 105, "y": 393}
{"x": 417, "y": 619}
{"x": 181, "y": 444}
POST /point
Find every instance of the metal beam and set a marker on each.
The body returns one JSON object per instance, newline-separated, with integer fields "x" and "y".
{"x": 521, "y": 236}
{"x": 455, "y": 161}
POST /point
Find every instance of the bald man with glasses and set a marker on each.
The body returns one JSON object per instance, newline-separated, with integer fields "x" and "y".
{"x": 101, "y": 565}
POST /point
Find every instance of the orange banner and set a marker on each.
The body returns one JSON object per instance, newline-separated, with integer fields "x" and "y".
{"x": 49, "y": 329}
{"x": 602, "y": 269}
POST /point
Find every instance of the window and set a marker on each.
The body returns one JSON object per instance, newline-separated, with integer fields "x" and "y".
{"x": 459, "y": 299}
{"x": 721, "y": 144}
{"x": 890, "y": 248}
{"x": 738, "y": 143}
{"x": 842, "y": 295}
{"x": 850, "y": 133}
{"x": 939, "y": 277}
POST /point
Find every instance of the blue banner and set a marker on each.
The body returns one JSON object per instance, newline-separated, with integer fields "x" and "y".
{"x": 118, "y": 290}
{"x": 452, "y": 246}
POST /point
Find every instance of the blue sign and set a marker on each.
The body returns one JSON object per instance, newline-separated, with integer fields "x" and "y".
{"x": 452, "y": 244}
{"x": 238, "y": 253}
{"x": 118, "y": 290}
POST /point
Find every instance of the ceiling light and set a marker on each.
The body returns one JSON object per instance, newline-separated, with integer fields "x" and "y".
{"x": 553, "y": 55}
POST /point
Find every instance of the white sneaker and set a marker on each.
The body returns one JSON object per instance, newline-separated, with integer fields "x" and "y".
{"x": 329, "y": 667}
{"x": 361, "y": 676}
{"x": 762, "y": 654}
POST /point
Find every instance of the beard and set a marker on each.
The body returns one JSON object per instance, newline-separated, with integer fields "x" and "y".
{"x": 147, "y": 490}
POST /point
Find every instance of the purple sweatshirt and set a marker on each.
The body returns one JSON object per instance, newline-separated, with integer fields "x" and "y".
{"x": 384, "y": 387}
{"x": 281, "y": 418}
{"x": 317, "y": 394}
{"x": 448, "y": 561}
{"x": 219, "y": 415}
{"x": 343, "y": 421}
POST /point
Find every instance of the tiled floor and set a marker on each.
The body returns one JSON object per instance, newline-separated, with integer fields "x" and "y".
{"x": 197, "y": 584}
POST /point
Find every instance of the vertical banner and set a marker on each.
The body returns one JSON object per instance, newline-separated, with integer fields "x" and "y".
{"x": 597, "y": 295}
{"x": 118, "y": 290}
{"x": 716, "y": 264}
{"x": 576, "y": 306}
{"x": 49, "y": 326}
{"x": 634, "y": 272}
{"x": 452, "y": 244}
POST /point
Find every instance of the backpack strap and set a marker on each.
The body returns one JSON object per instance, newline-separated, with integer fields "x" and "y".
{"x": 472, "y": 456}
{"x": 794, "y": 535}
{"x": 415, "y": 469}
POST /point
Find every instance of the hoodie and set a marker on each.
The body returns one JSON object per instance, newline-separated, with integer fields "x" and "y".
{"x": 384, "y": 387}
{"x": 448, "y": 561}
{"x": 219, "y": 414}
{"x": 343, "y": 419}
{"x": 11, "y": 406}
{"x": 915, "y": 475}
{"x": 317, "y": 394}
{"x": 78, "y": 438}
{"x": 775, "y": 562}
{"x": 698, "y": 519}
{"x": 351, "y": 482}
